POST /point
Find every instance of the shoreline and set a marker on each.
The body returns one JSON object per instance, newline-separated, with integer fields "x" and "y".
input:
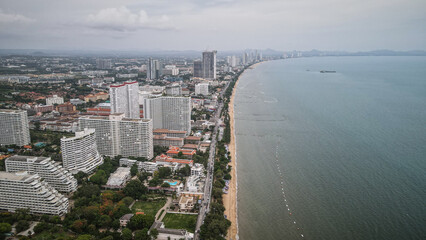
{"x": 230, "y": 199}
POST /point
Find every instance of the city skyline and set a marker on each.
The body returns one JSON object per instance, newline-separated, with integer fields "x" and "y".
{"x": 192, "y": 25}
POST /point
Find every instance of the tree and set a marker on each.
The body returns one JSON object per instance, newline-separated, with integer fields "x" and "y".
{"x": 134, "y": 170}
{"x": 165, "y": 185}
{"x": 5, "y": 228}
{"x": 135, "y": 189}
{"x": 85, "y": 237}
{"x": 154, "y": 233}
{"x": 40, "y": 227}
{"x": 127, "y": 200}
{"x": 126, "y": 234}
{"x": 22, "y": 225}
{"x": 105, "y": 221}
{"x": 141, "y": 221}
{"x": 142, "y": 234}
{"x": 164, "y": 172}
{"x": 100, "y": 177}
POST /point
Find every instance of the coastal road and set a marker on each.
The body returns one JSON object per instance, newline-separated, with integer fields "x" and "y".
{"x": 205, "y": 204}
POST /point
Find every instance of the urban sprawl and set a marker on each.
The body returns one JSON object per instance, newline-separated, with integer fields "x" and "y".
{"x": 116, "y": 148}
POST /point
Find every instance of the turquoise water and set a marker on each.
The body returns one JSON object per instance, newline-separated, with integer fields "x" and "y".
{"x": 171, "y": 183}
{"x": 349, "y": 148}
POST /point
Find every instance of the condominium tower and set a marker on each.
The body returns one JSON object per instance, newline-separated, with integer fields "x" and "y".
{"x": 51, "y": 171}
{"x": 198, "y": 69}
{"x": 202, "y": 88}
{"x": 125, "y": 99}
{"x": 23, "y": 190}
{"x": 80, "y": 153}
{"x": 173, "y": 113}
{"x": 14, "y": 127}
{"x": 209, "y": 65}
{"x": 117, "y": 135}
{"x": 154, "y": 69}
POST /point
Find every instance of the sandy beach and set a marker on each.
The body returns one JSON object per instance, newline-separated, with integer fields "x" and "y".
{"x": 230, "y": 199}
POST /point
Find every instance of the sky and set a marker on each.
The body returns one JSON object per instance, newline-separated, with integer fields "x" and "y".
{"x": 349, "y": 25}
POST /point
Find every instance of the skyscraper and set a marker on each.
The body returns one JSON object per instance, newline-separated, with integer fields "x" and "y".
{"x": 14, "y": 127}
{"x": 125, "y": 99}
{"x": 103, "y": 64}
{"x": 154, "y": 69}
{"x": 117, "y": 135}
{"x": 80, "y": 153}
{"x": 209, "y": 65}
{"x": 173, "y": 113}
{"x": 198, "y": 69}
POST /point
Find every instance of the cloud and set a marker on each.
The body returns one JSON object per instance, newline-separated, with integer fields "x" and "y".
{"x": 122, "y": 19}
{"x": 13, "y": 18}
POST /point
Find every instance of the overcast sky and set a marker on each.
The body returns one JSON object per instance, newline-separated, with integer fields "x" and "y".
{"x": 213, "y": 24}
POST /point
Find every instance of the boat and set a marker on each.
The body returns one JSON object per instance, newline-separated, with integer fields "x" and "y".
{"x": 327, "y": 71}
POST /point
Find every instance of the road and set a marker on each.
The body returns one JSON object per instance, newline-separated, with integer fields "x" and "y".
{"x": 205, "y": 204}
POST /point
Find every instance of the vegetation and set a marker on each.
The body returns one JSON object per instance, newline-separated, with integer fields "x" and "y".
{"x": 148, "y": 208}
{"x": 180, "y": 221}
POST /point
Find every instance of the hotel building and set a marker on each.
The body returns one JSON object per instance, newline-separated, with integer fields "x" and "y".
{"x": 22, "y": 190}
{"x": 51, "y": 171}
{"x": 125, "y": 99}
{"x": 117, "y": 135}
{"x": 80, "y": 153}
{"x": 14, "y": 127}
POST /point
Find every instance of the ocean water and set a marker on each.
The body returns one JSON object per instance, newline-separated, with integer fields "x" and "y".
{"x": 332, "y": 155}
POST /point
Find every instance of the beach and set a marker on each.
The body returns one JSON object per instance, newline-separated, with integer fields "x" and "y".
{"x": 230, "y": 199}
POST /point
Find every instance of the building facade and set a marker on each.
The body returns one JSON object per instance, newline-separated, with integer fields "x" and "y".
{"x": 209, "y": 65}
{"x": 54, "y": 100}
{"x": 52, "y": 172}
{"x": 202, "y": 89}
{"x": 154, "y": 69}
{"x": 14, "y": 128}
{"x": 117, "y": 135}
{"x": 22, "y": 190}
{"x": 198, "y": 69}
{"x": 173, "y": 113}
{"x": 80, "y": 153}
{"x": 125, "y": 99}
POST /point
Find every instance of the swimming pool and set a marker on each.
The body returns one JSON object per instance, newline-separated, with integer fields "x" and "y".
{"x": 172, "y": 183}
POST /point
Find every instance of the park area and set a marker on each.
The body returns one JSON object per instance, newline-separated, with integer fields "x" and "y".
{"x": 148, "y": 208}
{"x": 180, "y": 221}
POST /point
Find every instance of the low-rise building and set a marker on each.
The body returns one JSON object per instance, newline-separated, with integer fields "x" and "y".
{"x": 22, "y": 190}
{"x": 165, "y": 160}
{"x": 197, "y": 170}
{"x": 51, "y": 171}
{"x": 54, "y": 100}
{"x": 169, "y": 133}
{"x": 172, "y": 234}
{"x": 150, "y": 167}
{"x": 175, "y": 151}
{"x": 119, "y": 178}
{"x": 164, "y": 141}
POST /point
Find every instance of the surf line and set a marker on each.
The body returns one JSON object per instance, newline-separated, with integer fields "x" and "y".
{"x": 290, "y": 213}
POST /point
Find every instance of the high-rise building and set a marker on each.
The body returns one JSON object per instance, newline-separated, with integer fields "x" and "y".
{"x": 117, "y": 135}
{"x": 202, "y": 88}
{"x": 54, "y": 100}
{"x": 22, "y": 190}
{"x": 103, "y": 64}
{"x": 198, "y": 69}
{"x": 125, "y": 99}
{"x": 14, "y": 127}
{"x": 154, "y": 69}
{"x": 173, "y": 113}
{"x": 80, "y": 153}
{"x": 209, "y": 65}
{"x": 51, "y": 171}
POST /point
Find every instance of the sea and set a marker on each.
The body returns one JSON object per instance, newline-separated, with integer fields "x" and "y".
{"x": 332, "y": 155}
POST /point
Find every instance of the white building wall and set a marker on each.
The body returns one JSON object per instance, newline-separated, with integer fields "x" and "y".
{"x": 14, "y": 127}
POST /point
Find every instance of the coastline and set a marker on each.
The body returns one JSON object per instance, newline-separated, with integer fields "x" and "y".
{"x": 230, "y": 199}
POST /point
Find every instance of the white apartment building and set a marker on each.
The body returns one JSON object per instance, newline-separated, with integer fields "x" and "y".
{"x": 14, "y": 127}
{"x": 22, "y": 190}
{"x": 125, "y": 99}
{"x": 80, "y": 153}
{"x": 150, "y": 167}
{"x": 173, "y": 113}
{"x": 174, "y": 90}
{"x": 54, "y": 100}
{"x": 202, "y": 89}
{"x": 171, "y": 70}
{"x": 197, "y": 170}
{"x": 117, "y": 135}
{"x": 51, "y": 171}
